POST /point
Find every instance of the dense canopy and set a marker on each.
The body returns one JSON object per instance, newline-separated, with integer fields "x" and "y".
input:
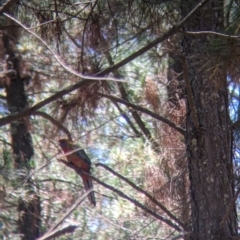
{"x": 150, "y": 91}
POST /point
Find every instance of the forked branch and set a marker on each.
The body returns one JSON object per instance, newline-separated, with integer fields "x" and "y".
{"x": 144, "y": 110}
{"x": 149, "y": 196}
{"x": 123, "y": 195}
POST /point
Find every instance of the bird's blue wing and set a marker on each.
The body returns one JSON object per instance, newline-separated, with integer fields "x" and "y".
{"x": 82, "y": 154}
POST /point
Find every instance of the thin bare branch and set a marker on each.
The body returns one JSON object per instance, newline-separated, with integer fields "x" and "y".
{"x": 128, "y": 120}
{"x": 78, "y": 203}
{"x": 58, "y": 58}
{"x": 29, "y": 111}
{"x": 58, "y": 233}
{"x": 7, "y": 5}
{"x": 174, "y": 29}
{"x": 42, "y": 24}
{"x": 144, "y": 110}
{"x": 79, "y": 3}
{"x": 123, "y": 195}
{"x": 31, "y": 174}
{"x": 136, "y": 116}
{"x": 101, "y": 125}
{"x": 54, "y": 122}
{"x": 211, "y": 33}
{"x": 149, "y": 196}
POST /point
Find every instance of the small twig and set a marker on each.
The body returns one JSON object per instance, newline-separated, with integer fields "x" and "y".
{"x": 123, "y": 195}
{"x": 178, "y": 237}
{"x": 190, "y": 97}
{"x": 6, "y": 5}
{"x": 100, "y": 125}
{"x": 143, "y": 227}
{"x": 54, "y": 122}
{"x": 150, "y": 197}
{"x": 212, "y": 33}
{"x": 144, "y": 110}
{"x": 58, "y": 180}
{"x": 173, "y": 30}
{"x": 54, "y": 97}
{"x": 78, "y": 3}
{"x": 114, "y": 224}
{"x": 78, "y": 203}
{"x": 128, "y": 120}
{"x": 58, "y": 58}
{"x": 31, "y": 174}
{"x": 58, "y": 233}
{"x": 42, "y": 24}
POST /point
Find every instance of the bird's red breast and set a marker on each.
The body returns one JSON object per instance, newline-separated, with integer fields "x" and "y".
{"x": 81, "y": 160}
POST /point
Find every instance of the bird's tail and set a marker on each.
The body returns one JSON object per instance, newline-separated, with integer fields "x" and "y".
{"x": 88, "y": 185}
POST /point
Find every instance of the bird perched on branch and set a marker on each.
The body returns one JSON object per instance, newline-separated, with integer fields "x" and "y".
{"x": 81, "y": 160}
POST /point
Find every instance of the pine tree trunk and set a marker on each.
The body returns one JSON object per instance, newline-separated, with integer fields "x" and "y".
{"x": 29, "y": 210}
{"x": 208, "y": 131}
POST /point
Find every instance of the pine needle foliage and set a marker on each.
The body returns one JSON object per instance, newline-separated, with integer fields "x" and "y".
{"x": 89, "y": 37}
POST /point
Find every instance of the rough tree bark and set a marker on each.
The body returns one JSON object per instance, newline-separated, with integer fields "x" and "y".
{"x": 208, "y": 129}
{"x": 22, "y": 148}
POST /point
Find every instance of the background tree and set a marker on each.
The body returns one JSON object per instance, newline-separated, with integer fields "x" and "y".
{"x": 135, "y": 127}
{"x": 208, "y": 126}
{"x": 13, "y": 80}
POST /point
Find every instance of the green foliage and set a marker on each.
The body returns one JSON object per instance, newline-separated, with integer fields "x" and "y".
{"x": 88, "y": 37}
{"x": 7, "y": 158}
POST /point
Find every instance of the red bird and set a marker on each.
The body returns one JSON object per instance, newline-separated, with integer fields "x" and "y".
{"x": 81, "y": 160}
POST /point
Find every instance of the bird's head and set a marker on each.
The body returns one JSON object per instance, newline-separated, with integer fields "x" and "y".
{"x": 63, "y": 143}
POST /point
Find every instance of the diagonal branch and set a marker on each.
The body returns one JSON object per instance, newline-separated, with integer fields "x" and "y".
{"x": 135, "y": 114}
{"x": 128, "y": 120}
{"x": 174, "y": 29}
{"x": 149, "y": 196}
{"x": 138, "y": 204}
{"x": 139, "y": 121}
{"x": 29, "y": 111}
{"x": 144, "y": 110}
{"x": 54, "y": 122}
{"x": 123, "y": 195}
{"x": 58, "y": 58}
{"x": 58, "y": 233}
{"x": 54, "y": 97}
{"x": 212, "y": 33}
{"x": 77, "y": 203}
{"x": 7, "y": 5}
{"x": 145, "y": 130}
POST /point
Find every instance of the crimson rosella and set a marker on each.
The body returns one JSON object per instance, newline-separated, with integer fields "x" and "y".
{"x": 81, "y": 160}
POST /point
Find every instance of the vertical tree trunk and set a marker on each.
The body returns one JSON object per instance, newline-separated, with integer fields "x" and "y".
{"x": 29, "y": 210}
{"x": 208, "y": 131}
